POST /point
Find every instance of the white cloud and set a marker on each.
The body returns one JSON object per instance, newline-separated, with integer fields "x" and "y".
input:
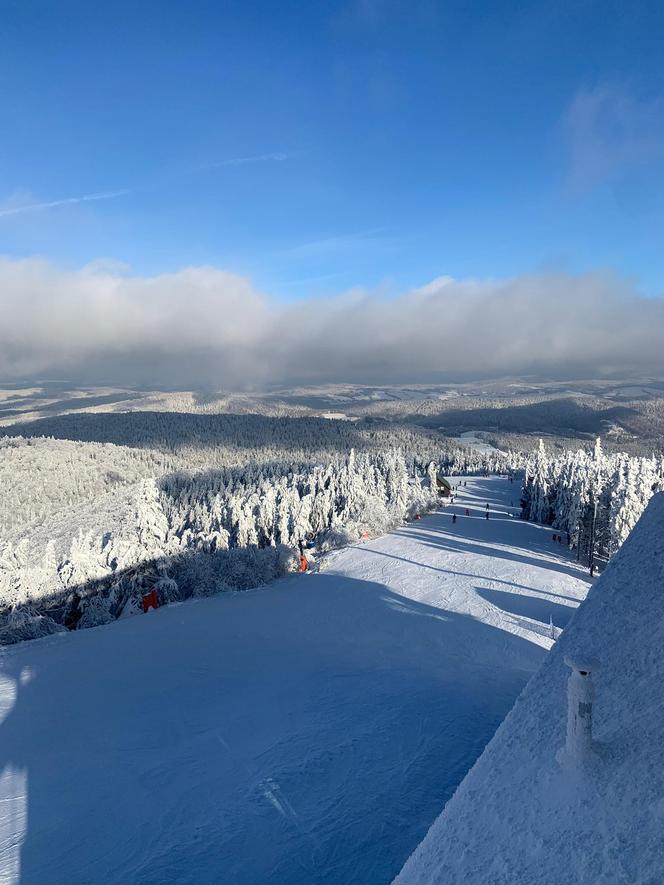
{"x": 609, "y": 131}
{"x": 203, "y": 326}
{"x": 435, "y": 285}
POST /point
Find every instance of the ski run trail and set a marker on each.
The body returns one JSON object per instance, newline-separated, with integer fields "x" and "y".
{"x": 306, "y": 732}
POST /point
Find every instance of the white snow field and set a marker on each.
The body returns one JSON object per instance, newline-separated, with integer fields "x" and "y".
{"x": 527, "y": 813}
{"x": 305, "y": 732}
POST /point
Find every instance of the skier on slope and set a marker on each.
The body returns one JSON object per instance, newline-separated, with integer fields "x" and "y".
{"x": 454, "y": 517}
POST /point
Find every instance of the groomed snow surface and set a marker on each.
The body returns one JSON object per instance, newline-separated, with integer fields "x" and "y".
{"x": 306, "y": 732}
{"x": 528, "y": 813}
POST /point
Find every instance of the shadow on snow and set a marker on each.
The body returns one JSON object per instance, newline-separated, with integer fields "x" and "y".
{"x": 528, "y": 606}
{"x": 309, "y": 732}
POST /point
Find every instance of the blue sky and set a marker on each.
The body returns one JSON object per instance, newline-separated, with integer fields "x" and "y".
{"x": 315, "y": 147}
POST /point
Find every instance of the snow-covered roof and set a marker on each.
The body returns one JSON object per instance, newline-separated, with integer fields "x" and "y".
{"x": 522, "y": 816}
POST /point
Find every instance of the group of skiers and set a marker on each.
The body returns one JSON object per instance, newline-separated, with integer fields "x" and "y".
{"x": 466, "y": 509}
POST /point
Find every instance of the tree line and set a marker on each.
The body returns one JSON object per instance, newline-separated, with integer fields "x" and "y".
{"x": 595, "y": 499}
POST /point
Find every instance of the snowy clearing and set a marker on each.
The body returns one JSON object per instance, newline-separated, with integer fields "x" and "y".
{"x": 475, "y": 442}
{"x": 306, "y": 732}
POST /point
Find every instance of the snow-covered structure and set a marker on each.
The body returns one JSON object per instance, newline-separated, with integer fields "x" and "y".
{"x": 526, "y": 812}
{"x": 444, "y": 486}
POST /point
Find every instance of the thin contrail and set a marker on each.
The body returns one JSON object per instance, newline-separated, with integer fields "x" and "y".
{"x": 275, "y": 157}
{"x": 86, "y": 198}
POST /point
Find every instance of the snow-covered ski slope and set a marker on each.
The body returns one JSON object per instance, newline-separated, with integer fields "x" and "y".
{"x": 527, "y": 813}
{"x": 306, "y": 732}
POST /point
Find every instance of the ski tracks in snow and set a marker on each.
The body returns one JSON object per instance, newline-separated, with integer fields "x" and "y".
{"x": 448, "y": 565}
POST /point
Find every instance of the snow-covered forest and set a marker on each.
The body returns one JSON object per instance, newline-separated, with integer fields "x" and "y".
{"x": 45, "y": 465}
{"x": 595, "y": 499}
{"x": 40, "y": 476}
{"x": 197, "y": 506}
{"x": 222, "y": 440}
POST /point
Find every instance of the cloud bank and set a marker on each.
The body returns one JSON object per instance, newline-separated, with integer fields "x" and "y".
{"x": 205, "y": 327}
